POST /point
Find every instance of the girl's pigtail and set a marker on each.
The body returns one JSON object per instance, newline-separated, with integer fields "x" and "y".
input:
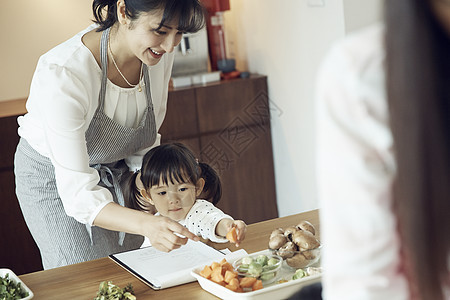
{"x": 132, "y": 194}
{"x": 212, "y": 190}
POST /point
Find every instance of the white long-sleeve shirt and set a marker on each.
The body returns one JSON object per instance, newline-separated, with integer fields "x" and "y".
{"x": 356, "y": 168}
{"x": 63, "y": 98}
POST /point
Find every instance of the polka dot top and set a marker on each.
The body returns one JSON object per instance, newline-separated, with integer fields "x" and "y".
{"x": 202, "y": 220}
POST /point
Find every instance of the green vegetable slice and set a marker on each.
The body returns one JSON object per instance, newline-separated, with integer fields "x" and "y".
{"x": 110, "y": 291}
{"x": 9, "y": 290}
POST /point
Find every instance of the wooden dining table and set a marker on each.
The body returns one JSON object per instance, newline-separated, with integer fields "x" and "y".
{"x": 81, "y": 281}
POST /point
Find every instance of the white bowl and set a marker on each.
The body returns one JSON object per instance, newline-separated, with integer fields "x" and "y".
{"x": 13, "y": 277}
{"x": 269, "y": 292}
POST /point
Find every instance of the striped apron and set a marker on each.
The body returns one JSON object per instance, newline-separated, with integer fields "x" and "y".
{"x": 60, "y": 238}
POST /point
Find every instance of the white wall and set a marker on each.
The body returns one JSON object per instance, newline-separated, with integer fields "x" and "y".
{"x": 27, "y": 30}
{"x": 360, "y": 13}
{"x": 286, "y": 40}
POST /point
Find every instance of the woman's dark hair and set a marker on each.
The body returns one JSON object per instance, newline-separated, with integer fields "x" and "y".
{"x": 191, "y": 13}
{"x": 418, "y": 91}
{"x": 174, "y": 162}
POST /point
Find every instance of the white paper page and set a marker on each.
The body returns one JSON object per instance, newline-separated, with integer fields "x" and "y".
{"x": 173, "y": 268}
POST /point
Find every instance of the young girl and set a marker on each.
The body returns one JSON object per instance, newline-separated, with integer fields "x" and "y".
{"x": 171, "y": 179}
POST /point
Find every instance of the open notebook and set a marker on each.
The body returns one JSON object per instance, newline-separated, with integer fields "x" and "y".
{"x": 161, "y": 270}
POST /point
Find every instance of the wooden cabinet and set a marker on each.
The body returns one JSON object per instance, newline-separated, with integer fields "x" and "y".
{"x": 18, "y": 251}
{"x": 227, "y": 124}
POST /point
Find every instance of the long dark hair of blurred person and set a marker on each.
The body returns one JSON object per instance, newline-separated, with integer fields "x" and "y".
{"x": 418, "y": 90}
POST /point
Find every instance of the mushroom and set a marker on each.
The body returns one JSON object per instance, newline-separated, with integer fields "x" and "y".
{"x": 287, "y": 250}
{"x": 288, "y": 232}
{"x": 307, "y": 226}
{"x": 275, "y": 232}
{"x": 277, "y": 241}
{"x": 305, "y": 240}
{"x": 298, "y": 261}
{"x": 309, "y": 253}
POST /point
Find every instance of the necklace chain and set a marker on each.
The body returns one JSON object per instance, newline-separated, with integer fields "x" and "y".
{"x": 117, "y": 68}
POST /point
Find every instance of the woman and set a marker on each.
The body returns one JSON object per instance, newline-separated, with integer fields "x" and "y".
{"x": 384, "y": 151}
{"x": 95, "y": 106}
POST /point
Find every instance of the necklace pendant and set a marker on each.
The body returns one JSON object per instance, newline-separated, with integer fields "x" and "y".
{"x": 140, "y": 89}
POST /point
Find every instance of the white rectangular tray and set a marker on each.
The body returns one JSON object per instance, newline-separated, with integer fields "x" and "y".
{"x": 269, "y": 292}
{"x": 16, "y": 279}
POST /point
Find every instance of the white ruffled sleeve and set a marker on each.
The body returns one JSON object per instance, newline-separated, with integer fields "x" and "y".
{"x": 64, "y": 101}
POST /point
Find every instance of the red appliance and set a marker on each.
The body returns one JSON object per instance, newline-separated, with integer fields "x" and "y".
{"x": 216, "y": 32}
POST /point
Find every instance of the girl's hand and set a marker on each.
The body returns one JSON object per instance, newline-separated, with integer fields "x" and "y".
{"x": 165, "y": 234}
{"x": 225, "y": 225}
{"x": 241, "y": 229}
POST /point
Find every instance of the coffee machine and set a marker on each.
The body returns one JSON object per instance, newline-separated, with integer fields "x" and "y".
{"x": 191, "y": 55}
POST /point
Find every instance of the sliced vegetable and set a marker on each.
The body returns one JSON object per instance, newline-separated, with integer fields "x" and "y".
{"x": 257, "y": 285}
{"x": 247, "y": 282}
{"x": 247, "y": 260}
{"x": 300, "y": 273}
{"x": 11, "y": 290}
{"x": 110, "y": 291}
{"x": 268, "y": 276}
{"x": 206, "y": 272}
{"x": 262, "y": 259}
{"x": 229, "y": 276}
{"x": 232, "y": 235}
{"x": 272, "y": 261}
{"x": 255, "y": 269}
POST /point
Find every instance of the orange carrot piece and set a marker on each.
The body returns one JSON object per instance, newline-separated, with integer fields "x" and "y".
{"x": 247, "y": 282}
{"x": 257, "y": 285}
{"x": 230, "y": 275}
{"x": 227, "y": 267}
{"x": 234, "y": 288}
{"x": 216, "y": 274}
{"x": 235, "y": 281}
{"x": 233, "y": 284}
{"x": 232, "y": 235}
{"x": 215, "y": 265}
{"x": 222, "y": 283}
{"x": 206, "y": 272}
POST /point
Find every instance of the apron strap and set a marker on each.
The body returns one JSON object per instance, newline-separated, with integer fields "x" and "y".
{"x": 111, "y": 179}
{"x": 104, "y": 171}
{"x": 147, "y": 87}
{"x": 104, "y": 61}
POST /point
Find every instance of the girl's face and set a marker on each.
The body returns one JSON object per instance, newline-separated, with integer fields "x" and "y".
{"x": 174, "y": 200}
{"x": 142, "y": 38}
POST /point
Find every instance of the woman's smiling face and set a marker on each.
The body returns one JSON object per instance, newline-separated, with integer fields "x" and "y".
{"x": 147, "y": 40}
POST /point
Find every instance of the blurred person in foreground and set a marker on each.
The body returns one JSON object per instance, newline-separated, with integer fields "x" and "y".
{"x": 384, "y": 157}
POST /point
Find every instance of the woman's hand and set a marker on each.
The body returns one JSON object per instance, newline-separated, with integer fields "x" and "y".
{"x": 166, "y": 234}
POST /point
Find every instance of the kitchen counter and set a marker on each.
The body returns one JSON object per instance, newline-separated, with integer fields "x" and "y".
{"x": 81, "y": 281}
{"x": 12, "y": 108}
